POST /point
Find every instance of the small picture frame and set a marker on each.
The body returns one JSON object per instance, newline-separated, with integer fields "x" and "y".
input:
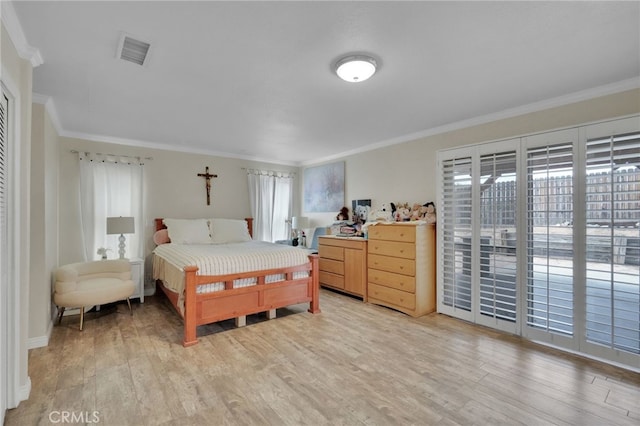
{"x": 360, "y": 209}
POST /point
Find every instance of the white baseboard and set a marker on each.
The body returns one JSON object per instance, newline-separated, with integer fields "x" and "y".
{"x": 40, "y": 341}
{"x": 25, "y": 390}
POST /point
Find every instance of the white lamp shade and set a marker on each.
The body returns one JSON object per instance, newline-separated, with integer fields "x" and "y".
{"x": 355, "y": 69}
{"x": 299, "y": 222}
{"x": 120, "y": 225}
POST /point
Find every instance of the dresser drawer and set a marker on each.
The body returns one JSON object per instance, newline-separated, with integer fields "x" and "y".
{"x": 393, "y": 248}
{"x": 333, "y": 266}
{"x": 332, "y": 280}
{"x": 392, "y": 264}
{"x": 392, "y": 296}
{"x": 394, "y": 233}
{"x": 354, "y": 243}
{"x": 331, "y": 252}
{"x": 389, "y": 279}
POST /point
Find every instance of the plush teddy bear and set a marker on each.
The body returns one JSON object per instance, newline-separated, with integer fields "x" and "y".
{"x": 415, "y": 212}
{"x": 402, "y": 214}
{"x": 429, "y": 212}
{"x": 343, "y": 215}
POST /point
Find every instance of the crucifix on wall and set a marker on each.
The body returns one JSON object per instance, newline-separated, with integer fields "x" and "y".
{"x": 207, "y": 177}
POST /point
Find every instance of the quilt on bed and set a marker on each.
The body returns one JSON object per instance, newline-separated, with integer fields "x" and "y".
{"x": 169, "y": 261}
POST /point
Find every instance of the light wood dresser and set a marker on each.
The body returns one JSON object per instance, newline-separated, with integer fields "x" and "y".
{"x": 402, "y": 267}
{"x": 343, "y": 264}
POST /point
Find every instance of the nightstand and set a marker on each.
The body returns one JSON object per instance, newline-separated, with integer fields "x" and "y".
{"x": 137, "y": 276}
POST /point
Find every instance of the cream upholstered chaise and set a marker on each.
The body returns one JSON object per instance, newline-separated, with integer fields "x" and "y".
{"x": 92, "y": 283}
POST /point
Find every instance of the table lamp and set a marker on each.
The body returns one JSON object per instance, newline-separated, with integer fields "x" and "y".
{"x": 120, "y": 225}
{"x": 298, "y": 223}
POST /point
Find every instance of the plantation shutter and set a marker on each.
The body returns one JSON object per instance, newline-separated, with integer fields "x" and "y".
{"x": 456, "y": 219}
{"x": 4, "y": 102}
{"x": 498, "y": 202}
{"x": 613, "y": 241}
{"x": 550, "y": 250}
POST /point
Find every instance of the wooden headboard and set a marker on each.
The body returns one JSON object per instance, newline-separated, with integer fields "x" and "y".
{"x": 160, "y": 225}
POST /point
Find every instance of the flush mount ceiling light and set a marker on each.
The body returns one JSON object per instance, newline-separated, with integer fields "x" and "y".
{"x": 356, "y": 68}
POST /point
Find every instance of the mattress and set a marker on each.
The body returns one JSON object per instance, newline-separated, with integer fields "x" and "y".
{"x": 169, "y": 261}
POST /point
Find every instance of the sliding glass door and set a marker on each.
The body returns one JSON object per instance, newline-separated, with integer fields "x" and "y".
{"x": 612, "y": 233}
{"x": 550, "y": 255}
{"x": 540, "y": 236}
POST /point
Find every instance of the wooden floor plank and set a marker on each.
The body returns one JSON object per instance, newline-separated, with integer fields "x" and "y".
{"x": 353, "y": 364}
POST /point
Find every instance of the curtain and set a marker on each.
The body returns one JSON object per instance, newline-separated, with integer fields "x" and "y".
{"x": 110, "y": 186}
{"x": 270, "y": 198}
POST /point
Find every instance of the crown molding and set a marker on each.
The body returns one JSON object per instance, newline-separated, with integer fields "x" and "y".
{"x": 154, "y": 145}
{"x": 609, "y": 89}
{"x": 50, "y": 107}
{"x": 596, "y": 92}
{"x": 16, "y": 34}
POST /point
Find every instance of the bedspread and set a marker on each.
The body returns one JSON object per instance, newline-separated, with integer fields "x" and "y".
{"x": 169, "y": 261}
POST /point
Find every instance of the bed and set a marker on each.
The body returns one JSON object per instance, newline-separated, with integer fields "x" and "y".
{"x": 208, "y": 281}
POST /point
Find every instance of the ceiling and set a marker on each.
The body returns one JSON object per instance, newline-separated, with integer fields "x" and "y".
{"x": 255, "y": 79}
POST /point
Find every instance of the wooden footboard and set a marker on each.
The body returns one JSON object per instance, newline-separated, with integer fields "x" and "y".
{"x": 206, "y": 308}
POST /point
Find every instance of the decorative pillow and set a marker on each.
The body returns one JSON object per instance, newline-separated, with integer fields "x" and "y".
{"x": 229, "y": 231}
{"x": 161, "y": 237}
{"x": 188, "y": 231}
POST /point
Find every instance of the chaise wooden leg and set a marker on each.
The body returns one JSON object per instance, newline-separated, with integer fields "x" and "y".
{"x": 81, "y": 317}
{"x": 60, "y": 312}
{"x": 271, "y": 314}
{"x": 129, "y": 303}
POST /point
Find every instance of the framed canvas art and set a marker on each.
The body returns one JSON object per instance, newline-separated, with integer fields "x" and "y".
{"x": 324, "y": 188}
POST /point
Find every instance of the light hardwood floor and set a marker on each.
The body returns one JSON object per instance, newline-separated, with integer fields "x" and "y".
{"x": 352, "y": 364}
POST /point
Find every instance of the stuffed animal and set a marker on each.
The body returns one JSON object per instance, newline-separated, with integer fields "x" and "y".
{"x": 415, "y": 212}
{"x": 343, "y": 215}
{"x": 382, "y": 214}
{"x": 430, "y": 212}
{"x": 402, "y": 214}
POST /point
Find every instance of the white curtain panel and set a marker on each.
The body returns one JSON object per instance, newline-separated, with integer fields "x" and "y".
{"x": 270, "y": 198}
{"x": 110, "y": 186}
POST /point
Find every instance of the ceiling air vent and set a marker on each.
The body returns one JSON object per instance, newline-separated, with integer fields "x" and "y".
{"x": 132, "y": 50}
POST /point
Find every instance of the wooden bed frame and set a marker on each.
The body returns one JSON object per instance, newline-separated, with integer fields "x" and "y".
{"x": 207, "y": 308}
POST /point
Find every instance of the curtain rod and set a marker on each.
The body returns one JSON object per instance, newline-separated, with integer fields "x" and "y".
{"x": 75, "y": 151}
{"x": 250, "y": 170}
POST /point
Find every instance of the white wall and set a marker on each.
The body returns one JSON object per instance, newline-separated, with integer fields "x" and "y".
{"x": 173, "y": 189}
{"x": 407, "y": 172}
{"x": 44, "y": 224}
{"x": 19, "y": 71}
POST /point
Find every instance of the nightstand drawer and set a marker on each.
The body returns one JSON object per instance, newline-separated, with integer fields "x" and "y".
{"x": 392, "y": 264}
{"x": 389, "y": 279}
{"x": 331, "y": 252}
{"x": 393, "y": 248}
{"x": 392, "y": 296}
{"x": 334, "y": 266}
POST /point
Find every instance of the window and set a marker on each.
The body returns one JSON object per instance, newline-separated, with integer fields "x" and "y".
{"x": 110, "y": 186}
{"x": 612, "y": 185}
{"x": 540, "y": 236}
{"x": 270, "y": 196}
{"x": 455, "y": 218}
{"x": 549, "y": 238}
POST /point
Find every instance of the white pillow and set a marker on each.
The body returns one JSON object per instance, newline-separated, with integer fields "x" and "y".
{"x": 229, "y": 231}
{"x": 188, "y": 231}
